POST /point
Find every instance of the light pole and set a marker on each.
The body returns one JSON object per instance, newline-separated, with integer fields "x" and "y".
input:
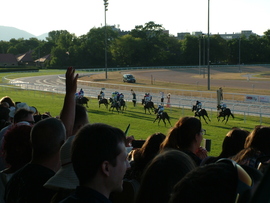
{"x": 200, "y": 54}
{"x": 105, "y": 9}
{"x": 208, "y": 48}
{"x": 239, "y": 55}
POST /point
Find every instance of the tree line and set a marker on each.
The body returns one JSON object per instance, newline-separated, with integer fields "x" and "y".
{"x": 145, "y": 45}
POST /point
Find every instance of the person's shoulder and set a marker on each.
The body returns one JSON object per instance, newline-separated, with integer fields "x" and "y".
{"x": 84, "y": 194}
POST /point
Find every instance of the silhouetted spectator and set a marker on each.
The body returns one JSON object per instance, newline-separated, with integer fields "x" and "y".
{"x": 233, "y": 143}
{"x": 256, "y": 146}
{"x": 99, "y": 161}
{"x": 223, "y": 182}
{"x": 26, "y": 185}
{"x": 140, "y": 157}
{"x": 17, "y": 151}
{"x": 160, "y": 176}
{"x": 186, "y": 136}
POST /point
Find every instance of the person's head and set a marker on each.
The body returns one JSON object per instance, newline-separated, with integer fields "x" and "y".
{"x": 81, "y": 118}
{"x": 47, "y": 136}
{"x": 142, "y": 156}
{"x": 163, "y": 172}
{"x": 151, "y": 145}
{"x": 99, "y": 156}
{"x": 217, "y": 182}
{"x": 259, "y": 139}
{"x": 233, "y": 142}
{"x": 186, "y": 133}
{"x": 24, "y": 115}
{"x": 8, "y": 100}
{"x": 17, "y": 148}
{"x": 4, "y": 117}
{"x": 4, "y": 113}
{"x": 4, "y": 104}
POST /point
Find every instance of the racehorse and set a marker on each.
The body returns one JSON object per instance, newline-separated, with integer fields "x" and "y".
{"x": 114, "y": 104}
{"x": 82, "y": 101}
{"x": 202, "y": 113}
{"x": 149, "y": 105}
{"x": 103, "y": 101}
{"x": 226, "y": 113}
{"x": 122, "y": 104}
{"x": 163, "y": 116}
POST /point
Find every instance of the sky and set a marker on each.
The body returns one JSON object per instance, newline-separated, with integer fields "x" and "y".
{"x": 78, "y": 17}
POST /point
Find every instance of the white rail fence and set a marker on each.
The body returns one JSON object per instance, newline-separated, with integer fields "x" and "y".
{"x": 179, "y": 98}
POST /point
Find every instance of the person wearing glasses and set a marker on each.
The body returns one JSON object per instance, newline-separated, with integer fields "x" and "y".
{"x": 187, "y": 135}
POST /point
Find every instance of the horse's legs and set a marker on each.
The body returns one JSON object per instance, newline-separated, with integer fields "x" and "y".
{"x": 164, "y": 121}
{"x": 169, "y": 121}
{"x": 227, "y": 119}
{"x": 224, "y": 118}
{"x": 155, "y": 119}
{"x": 159, "y": 120}
{"x": 204, "y": 119}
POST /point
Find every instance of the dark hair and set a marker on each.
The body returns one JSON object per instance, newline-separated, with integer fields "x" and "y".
{"x": 257, "y": 144}
{"x": 17, "y": 148}
{"x": 80, "y": 115}
{"x": 4, "y": 117}
{"x": 21, "y": 114}
{"x": 47, "y": 136}
{"x": 233, "y": 142}
{"x": 92, "y": 145}
{"x": 8, "y": 100}
{"x": 142, "y": 156}
{"x": 163, "y": 172}
{"x": 215, "y": 182}
{"x": 183, "y": 134}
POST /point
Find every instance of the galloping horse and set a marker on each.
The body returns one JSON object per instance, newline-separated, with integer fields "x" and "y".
{"x": 225, "y": 113}
{"x": 163, "y": 116}
{"x": 103, "y": 101}
{"x": 202, "y": 113}
{"x": 122, "y": 104}
{"x": 114, "y": 104}
{"x": 82, "y": 101}
{"x": 149, "y": 105}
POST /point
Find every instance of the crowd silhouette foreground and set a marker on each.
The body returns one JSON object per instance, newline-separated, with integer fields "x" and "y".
{"x": 67, "y": 159}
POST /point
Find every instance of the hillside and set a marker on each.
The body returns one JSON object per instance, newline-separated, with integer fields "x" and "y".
{"x": 7, "y": 33}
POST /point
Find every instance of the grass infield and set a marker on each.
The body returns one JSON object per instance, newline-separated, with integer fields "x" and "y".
{"x": 141, "y": 124}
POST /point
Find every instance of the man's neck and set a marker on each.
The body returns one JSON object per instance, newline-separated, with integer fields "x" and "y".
{"x": 52, "y": 163}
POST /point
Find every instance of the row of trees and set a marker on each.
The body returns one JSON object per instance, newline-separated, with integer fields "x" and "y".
{"x": 146, "y": 45}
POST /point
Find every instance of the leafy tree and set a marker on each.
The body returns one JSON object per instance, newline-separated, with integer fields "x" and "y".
{"x": 126, "y": 51}
{"x": 218, "y": 49}
{"x": 4, "y": 45}
{"x": 190, "y": 49}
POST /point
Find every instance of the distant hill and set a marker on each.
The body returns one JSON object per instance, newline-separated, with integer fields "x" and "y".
{"x": 7, "y": 33}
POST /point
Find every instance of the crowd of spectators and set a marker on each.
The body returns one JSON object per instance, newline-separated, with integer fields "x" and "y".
{"x": 67, "y": 159}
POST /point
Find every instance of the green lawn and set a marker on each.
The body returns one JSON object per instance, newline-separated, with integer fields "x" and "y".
{"x": 141, "y": 124}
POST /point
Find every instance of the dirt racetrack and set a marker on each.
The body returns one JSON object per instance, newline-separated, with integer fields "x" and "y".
{"x": 249, "y": 77}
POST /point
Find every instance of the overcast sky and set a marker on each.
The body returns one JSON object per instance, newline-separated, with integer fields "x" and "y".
{"x": 230, "y": 16}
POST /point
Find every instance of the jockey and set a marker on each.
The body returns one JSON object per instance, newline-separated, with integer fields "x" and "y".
{"x": 223, "y": 106}
{"x": 160, "y": 109}
{"x": 77, "y": 95}
{"x": 198, "y": 105}
{"x": 147, "y": 98}
{"x": 102, "y": 95}
{"x": 150, "y": 97}
{"x": 81, "y": 93}
{"x": 121, "y": 96}
{"x": 116, "y": 96}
